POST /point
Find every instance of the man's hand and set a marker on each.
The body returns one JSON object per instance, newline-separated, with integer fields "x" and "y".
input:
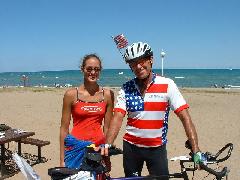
{"x": 199, "y": 158}
{"x": 104, "y": 149}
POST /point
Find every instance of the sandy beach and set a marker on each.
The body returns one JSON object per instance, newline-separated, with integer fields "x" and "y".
{"x": 215, "y": 113}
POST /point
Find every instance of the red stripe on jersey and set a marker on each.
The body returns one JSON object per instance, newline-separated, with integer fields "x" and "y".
{"x": 181, "y": 108}
{"x": 155, "y": 106}
{"x": 119, "y": 110}
{"x": 158, "y": 88}
{"x": 145, "y": 124}
{"x": 152, "y": 142}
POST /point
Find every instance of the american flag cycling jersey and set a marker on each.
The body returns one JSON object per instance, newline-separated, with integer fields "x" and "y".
{"x": 147, "y": 122}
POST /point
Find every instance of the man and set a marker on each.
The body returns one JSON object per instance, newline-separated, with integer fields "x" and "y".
{"x": 146, "y": 100}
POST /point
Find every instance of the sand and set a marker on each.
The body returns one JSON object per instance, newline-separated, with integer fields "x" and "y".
{"x": 215, "y": 113}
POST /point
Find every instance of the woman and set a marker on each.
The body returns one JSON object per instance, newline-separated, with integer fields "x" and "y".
{"x": 88, "y": 105}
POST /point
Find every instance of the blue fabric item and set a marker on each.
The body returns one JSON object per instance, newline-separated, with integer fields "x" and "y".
{"x": 74, "y": 151}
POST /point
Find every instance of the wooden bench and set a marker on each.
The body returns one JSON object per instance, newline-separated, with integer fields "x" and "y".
{"x": 32, "y": 141}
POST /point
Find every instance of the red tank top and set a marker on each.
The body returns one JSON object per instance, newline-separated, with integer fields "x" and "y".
{"x": 87, "y": 121}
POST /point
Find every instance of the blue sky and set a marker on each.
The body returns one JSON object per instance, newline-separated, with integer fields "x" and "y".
{"x": 38, "y": 35}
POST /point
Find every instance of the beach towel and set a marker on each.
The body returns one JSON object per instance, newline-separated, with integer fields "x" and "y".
{"x": 74, "y": 151}
{"x": 25, "y": 168}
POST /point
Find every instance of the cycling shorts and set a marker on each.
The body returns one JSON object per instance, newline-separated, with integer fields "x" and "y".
{"x": 134, "y": 158}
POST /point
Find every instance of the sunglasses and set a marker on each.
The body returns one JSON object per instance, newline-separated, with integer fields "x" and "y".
{"x": 95, "y": 69}
{"x": 138, "y": 62}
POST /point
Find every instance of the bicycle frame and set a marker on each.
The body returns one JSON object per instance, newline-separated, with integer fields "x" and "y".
{"x": 181, "y": 175}
{"x": 211, "y": 159}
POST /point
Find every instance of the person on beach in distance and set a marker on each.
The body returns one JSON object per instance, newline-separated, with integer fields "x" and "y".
{"x": 88, "y": 105}
{"x": 146, "y": 100}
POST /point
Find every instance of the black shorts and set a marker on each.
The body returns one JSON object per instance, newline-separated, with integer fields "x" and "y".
{"x": 134, "y": 157}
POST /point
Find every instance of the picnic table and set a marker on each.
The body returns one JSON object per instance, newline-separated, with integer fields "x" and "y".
{"x": 9, "y": 136}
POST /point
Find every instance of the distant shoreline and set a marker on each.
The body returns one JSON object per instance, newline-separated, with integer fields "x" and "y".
{"x": 22, "y": 72}
{"x": 199, "y": 78}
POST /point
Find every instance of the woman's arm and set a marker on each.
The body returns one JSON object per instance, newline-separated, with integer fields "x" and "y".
{"x": 109, "y": 95}
{"x": 65, "y": 121}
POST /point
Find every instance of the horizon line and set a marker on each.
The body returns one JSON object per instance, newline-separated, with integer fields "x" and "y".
{"x": 123, "y": 69}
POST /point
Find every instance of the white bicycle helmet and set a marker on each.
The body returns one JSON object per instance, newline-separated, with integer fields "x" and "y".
{"x": 136, "y": 51}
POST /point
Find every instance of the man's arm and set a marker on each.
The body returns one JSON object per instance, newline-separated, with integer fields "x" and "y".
{"x": 114, "y": 127}
{"x": 113, "y": 130}
{"x": 109, "y": 96}
{"x": 190, "y": 130}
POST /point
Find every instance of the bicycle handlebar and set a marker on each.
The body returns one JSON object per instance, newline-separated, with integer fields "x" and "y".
{"x": 230, "y": 146}
{"x": 210, "y": 158}
{"x": 219, "y": 175}
{"x": 114, "y": 151}
{"x": 96, "y": 155}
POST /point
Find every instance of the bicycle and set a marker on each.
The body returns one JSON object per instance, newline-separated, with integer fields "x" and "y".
{"x": 92, "y": 165}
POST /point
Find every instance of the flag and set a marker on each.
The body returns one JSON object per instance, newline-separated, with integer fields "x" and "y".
{"x": 120, "y": 41}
